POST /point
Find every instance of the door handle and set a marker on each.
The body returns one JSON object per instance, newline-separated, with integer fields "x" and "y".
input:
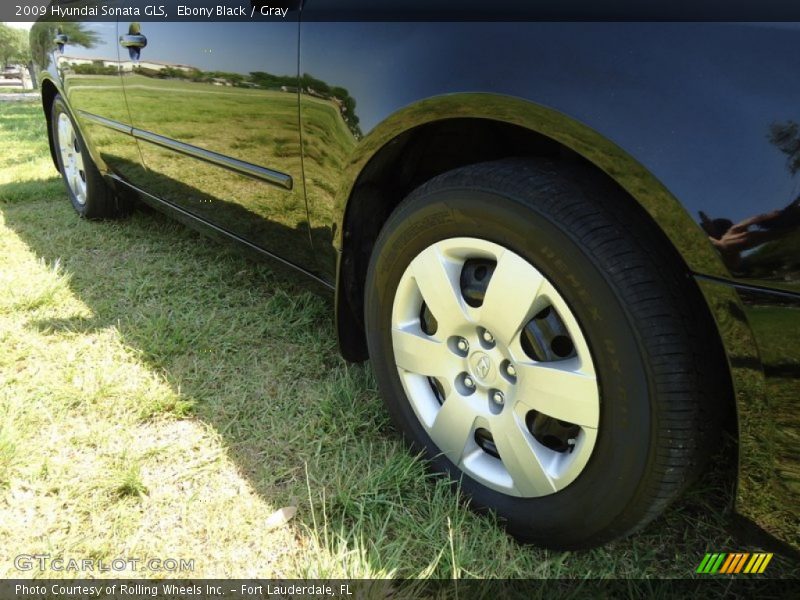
{"x": 133, "y": 41}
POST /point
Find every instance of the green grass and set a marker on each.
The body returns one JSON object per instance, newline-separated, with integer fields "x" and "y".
{"x": 15, "y": 90}
{"x": 161, "y": 396}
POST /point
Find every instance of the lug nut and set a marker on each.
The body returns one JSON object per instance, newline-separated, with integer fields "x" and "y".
{"x": 512, "y": 372}
{"x": 498, "y": 398}
{"x": 488, "y": 337}
{"x": 468, "y": 382}
{"x": 463, "y": 345}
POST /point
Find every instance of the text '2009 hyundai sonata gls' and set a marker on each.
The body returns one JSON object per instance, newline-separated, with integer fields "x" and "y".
{"x": 571, "y": 251}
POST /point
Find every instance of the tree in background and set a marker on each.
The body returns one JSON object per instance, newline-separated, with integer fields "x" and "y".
{"x": 13, "y": 46}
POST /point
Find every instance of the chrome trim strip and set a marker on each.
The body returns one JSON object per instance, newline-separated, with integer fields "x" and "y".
{"x": 237, "y": 166}
{"x": 115, "y": 125}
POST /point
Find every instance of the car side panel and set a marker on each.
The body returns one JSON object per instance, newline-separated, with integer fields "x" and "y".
{"x": 215, "y": 143}
{"x": 702, "y": 108}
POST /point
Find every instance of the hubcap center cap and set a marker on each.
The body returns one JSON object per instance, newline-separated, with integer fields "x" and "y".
{"x": 482, "y": 367}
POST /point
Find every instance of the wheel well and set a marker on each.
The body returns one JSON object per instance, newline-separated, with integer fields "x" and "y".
{"x": 403, "y": 164}
{"x": 416, "y": 156}
{"x": 49, "y": 92}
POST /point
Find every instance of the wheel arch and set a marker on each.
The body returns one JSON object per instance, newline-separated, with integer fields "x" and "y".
{"x": 381, "y": 160}
{"x": 50, "y": 88}
{"x": 49, "y": 92}
{"x": 386, "y": 166}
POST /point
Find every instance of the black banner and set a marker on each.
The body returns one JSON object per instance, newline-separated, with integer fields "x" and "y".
{"x": 252, "y": 589}
{"x": 389, "y": 10}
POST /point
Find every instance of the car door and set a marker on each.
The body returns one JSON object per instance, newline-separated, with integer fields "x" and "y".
{"x": 214, "y": 107}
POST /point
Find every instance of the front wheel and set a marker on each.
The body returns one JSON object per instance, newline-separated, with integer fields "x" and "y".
{"x": 531, "y": 344}
{"x": 90, "y": 195}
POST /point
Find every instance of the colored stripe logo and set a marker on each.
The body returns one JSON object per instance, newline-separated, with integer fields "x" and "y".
{"x": 734, "y": 563}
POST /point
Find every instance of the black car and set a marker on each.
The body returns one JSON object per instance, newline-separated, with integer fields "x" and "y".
{"x": 571, "y": 251}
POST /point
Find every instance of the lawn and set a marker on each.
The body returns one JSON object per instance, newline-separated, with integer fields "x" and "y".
{"x": 162, "y": 396}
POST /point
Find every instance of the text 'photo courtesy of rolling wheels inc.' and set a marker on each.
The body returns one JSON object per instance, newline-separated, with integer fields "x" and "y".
{"x": 341, "y": 299}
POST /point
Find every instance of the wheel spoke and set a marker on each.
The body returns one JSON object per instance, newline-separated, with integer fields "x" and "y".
{"x": 438, "y": 284}
{"x": 549, "y": 293}
{"x": 559, "y": 392}
{"x": 453, "y": 427}
{"x": 510, "y": 297}
{"x": 518, "y": 451}
{"x": 418, "y": 353}
{"x": 63, "y": 135}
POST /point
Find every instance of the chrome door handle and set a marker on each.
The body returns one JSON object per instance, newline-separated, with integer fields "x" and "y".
{"x": 133, "y": 41}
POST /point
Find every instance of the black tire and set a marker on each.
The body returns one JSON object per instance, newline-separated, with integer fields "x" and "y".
{"x": 633, "y": 300}
{"x": 99, "y": 200}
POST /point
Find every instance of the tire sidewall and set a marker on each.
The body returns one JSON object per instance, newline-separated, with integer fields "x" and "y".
{"x": 617, "y": 468}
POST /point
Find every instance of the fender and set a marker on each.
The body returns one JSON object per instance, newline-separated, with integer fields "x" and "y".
{"x": 652, "y": 195}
